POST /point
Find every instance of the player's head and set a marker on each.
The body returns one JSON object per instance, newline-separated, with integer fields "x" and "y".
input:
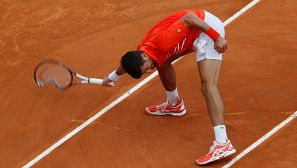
{"x": 136, "y": 63}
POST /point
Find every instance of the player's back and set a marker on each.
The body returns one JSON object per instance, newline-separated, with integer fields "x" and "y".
{"x": 165, "y": 23}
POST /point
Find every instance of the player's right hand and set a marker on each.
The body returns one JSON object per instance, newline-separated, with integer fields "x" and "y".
{"x": 107, "y": 82}
{"x": 220, "y": 45}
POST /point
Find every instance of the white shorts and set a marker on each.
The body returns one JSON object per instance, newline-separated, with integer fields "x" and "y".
{"x": 204, "y": 45}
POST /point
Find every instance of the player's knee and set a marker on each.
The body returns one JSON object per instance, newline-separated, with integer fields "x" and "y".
{"x": 208, "y": 87}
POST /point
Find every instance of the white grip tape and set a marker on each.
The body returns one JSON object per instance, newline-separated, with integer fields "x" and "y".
{"x": 96, "y": 81}
{"x": 99, "y": 81}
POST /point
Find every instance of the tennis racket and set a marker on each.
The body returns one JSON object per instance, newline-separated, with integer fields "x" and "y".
{"x": 51, "y": 71}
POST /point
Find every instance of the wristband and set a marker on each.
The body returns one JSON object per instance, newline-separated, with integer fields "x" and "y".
{"x": 113, "y": 76}
{"x": 212, "y": 33}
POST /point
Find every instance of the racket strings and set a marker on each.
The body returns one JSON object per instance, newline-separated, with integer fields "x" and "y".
{"x": 53, "y": 72}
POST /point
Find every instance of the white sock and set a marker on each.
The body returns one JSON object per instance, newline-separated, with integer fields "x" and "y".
{"x": 172, "y": 97}
{"x": 220, "y": 134}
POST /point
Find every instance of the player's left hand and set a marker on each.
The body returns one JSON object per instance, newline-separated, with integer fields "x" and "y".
{"x": 107, "y": 82}
{"x": 220, "y": 45}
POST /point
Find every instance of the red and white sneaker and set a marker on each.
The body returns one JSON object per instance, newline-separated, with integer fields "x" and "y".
{"x": 217, "y": 151}
{"x": 167, "y": 109}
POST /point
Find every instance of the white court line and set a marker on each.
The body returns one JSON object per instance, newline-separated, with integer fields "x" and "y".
{"x": 259, "y": 141}
{"x": 244, "y": 9}
{"x": 117, "y": 101}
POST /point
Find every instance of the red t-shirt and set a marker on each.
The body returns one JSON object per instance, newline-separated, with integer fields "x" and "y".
{"x": 170, "y": 37}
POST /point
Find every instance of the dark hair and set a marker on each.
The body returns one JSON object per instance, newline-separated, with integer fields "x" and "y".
{"x": 131, "y": 63}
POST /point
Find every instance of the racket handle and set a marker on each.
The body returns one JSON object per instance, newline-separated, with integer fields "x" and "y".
{"x": 99, "y": 81}
{"x": 95, "y": 81}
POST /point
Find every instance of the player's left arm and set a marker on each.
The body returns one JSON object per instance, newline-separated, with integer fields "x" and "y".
{"x": 192, "y": 21}
{"x": 113, "y": 77}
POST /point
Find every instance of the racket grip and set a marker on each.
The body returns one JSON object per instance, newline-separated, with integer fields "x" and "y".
{"x": 96, "y": 81}
{"x": 99, "y": 81}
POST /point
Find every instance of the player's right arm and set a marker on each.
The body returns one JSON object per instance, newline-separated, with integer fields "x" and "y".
{"x": 113, "y": 76}
{"x": 191, "y": 21}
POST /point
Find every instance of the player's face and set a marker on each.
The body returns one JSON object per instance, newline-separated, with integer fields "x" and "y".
{"x": 148, "y": 64}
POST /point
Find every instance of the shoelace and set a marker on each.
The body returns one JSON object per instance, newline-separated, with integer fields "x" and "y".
{"x": 215, "y": 151}
{"x": 162, "y": 106}
{"x": 212, "y": 148}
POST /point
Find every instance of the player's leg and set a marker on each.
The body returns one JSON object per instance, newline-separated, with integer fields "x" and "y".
{"x": 209, "y": 70}
{"x": 209, "y": 65}
{"x": 174, "y": 105}
{"x": 168, "y": 77}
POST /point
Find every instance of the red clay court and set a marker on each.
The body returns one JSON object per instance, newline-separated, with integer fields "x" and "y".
{"x": 258, "y": 85}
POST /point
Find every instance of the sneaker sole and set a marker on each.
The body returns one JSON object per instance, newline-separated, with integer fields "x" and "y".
{"x": 212, "y": 160}
{"x": 166, "y": 113}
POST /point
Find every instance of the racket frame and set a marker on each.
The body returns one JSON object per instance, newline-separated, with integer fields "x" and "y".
{"x": 84, "y": 79}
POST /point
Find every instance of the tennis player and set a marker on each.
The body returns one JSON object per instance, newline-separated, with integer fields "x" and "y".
{"x": 174, "y": 36}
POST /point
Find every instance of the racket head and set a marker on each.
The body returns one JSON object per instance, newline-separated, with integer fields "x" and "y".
{"x": 51, "y": 71}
